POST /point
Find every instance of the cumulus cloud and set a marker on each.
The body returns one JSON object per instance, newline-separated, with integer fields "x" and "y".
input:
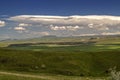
{"x": 68, "y": 25}
{"x": 90, "y": 20}
{"x": 74, "y": 28}
{"x": 98, "y": 26}
{"x": 90, "y": 25}
{"x": 71, "y": 28}
{"x": 58, "y": 28}
{"x": 2, "y": 23}
{"x": 20, "y": 28}
{"x": 24, "y": 25}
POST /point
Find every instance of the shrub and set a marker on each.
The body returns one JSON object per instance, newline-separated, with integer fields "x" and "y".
{"x": 114, "y": 75}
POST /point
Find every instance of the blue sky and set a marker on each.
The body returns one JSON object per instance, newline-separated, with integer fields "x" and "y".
{"x": 36, "y": 18}
{"x": 59, "y": 7}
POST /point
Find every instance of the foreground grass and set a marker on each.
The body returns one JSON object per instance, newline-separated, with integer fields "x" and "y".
{"x": 9, "y": 77}
{"x": 6, "y": 77}
{"x": 19, "y": 76}
{"x": 72, "y": 63}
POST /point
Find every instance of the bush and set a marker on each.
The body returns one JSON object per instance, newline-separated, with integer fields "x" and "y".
{"x": 114, "y": 75}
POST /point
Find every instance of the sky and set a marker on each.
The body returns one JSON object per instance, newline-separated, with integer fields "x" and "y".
{"x": 35, "y": 18}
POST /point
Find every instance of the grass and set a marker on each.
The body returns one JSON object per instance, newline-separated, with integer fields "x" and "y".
{"x": 6, "y": 77}
{"x": 102, "y": 40}
{"x": 70, "y": 48}
{"x": 11, "y": 77}
{"x": 46, "y": 77}
{"x": 75, "y": 63}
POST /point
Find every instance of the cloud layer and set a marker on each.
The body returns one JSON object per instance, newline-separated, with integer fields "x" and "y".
{"x": 76, "y": 25}
{"x": 66, "y": 19}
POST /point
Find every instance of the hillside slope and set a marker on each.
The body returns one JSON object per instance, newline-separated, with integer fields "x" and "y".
{"x": 65, "y": 63}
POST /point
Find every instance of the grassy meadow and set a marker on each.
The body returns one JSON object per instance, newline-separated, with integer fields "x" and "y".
{"x": 81, "y": 59}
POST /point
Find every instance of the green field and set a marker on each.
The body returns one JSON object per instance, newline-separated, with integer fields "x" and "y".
{"x": 84, "y": 59}
{"x": 69, "y": 62}
{"x": 70, "y": 48}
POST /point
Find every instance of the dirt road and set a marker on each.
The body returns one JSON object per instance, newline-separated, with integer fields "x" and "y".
{"x": 27, "y": 75}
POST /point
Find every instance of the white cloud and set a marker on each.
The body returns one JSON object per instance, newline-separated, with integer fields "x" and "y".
{"x": 38, "y": 18}
{"x": 58, "y": 28}
{"x": 65, "y": 25}
{"x": 91, "y": 20}
{"x": 20, "y": 28}
{"x": 49, "y": 18}
{"x": 71, "y": 28}
{"x": 67, "y": 20}
{"x": 24, "y": 25}
{"x": 2, "y": 23}
{"x": 90, "y": 25}
{"x": 74, "y": 28}
{"x": 111, "y": 33}
{"x": 61, "y": 19}
{"x": 98, "y": 26}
